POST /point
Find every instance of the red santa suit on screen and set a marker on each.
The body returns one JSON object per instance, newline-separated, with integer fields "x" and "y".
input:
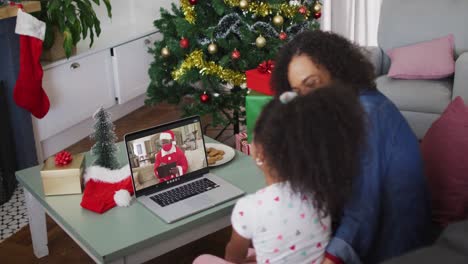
{"x": 168, "y": 154}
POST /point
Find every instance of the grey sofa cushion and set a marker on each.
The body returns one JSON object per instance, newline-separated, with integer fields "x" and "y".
{"x": 427, "y": 96}
{"x": 450, "y": 248}
{"x": 420, "y": 122}
{"x": 374, "y": 54}
{"x": 404, "y": 22}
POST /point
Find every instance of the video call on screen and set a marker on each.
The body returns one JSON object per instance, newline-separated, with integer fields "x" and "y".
{"x": 165, "y": 156}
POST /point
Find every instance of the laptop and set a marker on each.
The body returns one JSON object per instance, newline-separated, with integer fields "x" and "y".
{"x": 192, "y": 190}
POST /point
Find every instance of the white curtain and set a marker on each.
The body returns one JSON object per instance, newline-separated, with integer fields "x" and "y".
{"x": 356, "y": 20}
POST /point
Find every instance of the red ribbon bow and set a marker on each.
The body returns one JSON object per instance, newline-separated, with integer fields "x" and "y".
{"x": 18, "y": 5}
{"x": 63, "y": 158}
{"x": 266, "y": 66}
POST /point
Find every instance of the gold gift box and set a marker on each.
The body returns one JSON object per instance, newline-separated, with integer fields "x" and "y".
{"x": 68, "y": 179}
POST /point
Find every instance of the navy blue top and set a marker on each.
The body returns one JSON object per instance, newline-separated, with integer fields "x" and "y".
{"x": 388, "y": 213}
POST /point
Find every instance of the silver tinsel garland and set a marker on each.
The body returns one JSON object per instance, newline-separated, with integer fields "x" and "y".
{"x": 231, "y": 23}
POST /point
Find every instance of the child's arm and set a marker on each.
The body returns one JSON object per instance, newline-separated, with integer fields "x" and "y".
{"x": 237, "y": 248}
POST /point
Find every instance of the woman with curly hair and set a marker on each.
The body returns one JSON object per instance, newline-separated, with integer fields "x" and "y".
{"x": 388, "y": 212}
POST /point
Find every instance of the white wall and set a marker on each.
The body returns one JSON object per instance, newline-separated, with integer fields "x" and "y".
{"x": 142, "y": 142}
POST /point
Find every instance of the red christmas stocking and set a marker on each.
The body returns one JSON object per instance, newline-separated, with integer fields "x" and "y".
{"x": 28, "y": 92}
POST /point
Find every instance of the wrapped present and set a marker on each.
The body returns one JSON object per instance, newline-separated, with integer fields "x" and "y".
{"x": 60, "y": 177}
{"x": 242, "y": 136}
{"x": 254, "y": 103}
{"x": 246, "y": 147}
{"x": 242, "y": 144}
{"x": 259, "y": 79}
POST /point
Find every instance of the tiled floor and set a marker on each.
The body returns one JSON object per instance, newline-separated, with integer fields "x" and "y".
{"x": 13, "y": 215}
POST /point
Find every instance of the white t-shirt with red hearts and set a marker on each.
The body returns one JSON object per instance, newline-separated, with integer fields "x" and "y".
{"x": 284, "y": 226}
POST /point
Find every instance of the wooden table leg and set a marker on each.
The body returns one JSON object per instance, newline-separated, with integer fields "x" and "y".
{"x": 37, "y": 225}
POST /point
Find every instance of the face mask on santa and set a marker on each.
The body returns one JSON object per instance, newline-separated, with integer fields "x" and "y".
{"x": 167, "y": 146}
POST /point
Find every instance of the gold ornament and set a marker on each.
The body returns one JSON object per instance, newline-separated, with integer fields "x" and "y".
{"x": 212, "y": 48}
{"x": 260, "y": 42}
{"x": 165, "y": 52}
{"x": 188, "y": 10}
{"x": 317, "y": 7}
{"x": 278, "y": 20}
{"x": 243, "y": 4}
{"x": 195, "y": 60}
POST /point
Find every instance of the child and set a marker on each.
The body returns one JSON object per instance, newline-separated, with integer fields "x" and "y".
{"x": 308, "y": 149}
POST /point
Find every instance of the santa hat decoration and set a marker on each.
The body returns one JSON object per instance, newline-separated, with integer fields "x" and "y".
{"x": 168, "y": 135}
{"x": 105, "y": 188}
{"x": 28, "y": 92}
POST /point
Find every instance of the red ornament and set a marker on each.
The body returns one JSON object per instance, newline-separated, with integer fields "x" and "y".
{"x": 235, "y": 55}
{"x": 317, "y": 15}
{"x": 204, "y": 98}
{"x": 283, "y": 35}
{"x": 193, "y": 2}
{"x": 63, "y": 158}
{"x": 302, "y": 10}
{"x": 184, "y": 43}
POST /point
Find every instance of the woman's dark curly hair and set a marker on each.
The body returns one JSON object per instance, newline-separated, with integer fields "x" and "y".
{"x": 313, "y": 142}
{"x": 344, "y": 61}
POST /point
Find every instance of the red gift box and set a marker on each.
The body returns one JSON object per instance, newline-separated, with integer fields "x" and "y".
{"x": 259, "y": 79}
{"x": 242, "y": 144}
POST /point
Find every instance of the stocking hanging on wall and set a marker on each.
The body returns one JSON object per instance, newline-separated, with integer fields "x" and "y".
{"x": 28, "y": 92}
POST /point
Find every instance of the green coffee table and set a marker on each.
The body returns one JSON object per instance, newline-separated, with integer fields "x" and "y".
{"x": 132, "y": 234}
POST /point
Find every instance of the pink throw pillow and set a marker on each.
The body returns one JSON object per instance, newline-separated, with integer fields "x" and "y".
{"x": 426, "y": 60}
{"x": 445, "y": 154}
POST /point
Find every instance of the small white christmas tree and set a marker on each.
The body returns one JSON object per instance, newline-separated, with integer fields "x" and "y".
{"x": 104, "y": 148}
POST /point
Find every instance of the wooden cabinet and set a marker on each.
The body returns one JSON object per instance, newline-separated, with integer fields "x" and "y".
{"x": 114, "y": 77}
{"x": 131, "y": 62}
{"x": 76, "y": 89}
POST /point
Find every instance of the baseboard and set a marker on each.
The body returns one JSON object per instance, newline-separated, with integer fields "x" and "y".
{"x": 70, "y": 136}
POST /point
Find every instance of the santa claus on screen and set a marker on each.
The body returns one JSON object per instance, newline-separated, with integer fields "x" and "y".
{"x": 168, "y": 154}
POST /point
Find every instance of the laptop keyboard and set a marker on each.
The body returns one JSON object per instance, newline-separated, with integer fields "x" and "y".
{"x": 184, "y": 192}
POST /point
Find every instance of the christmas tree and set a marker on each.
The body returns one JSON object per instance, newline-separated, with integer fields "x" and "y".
{"x": 208, "y": 45}
{"x": 104, "y": 148}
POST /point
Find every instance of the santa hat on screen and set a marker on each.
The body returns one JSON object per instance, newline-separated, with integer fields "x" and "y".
{"x": 105, "y": 188}
{"x": 168, "y": 135}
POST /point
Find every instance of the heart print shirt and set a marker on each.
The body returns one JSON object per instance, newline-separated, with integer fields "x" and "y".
{"x": 284, "y": 226}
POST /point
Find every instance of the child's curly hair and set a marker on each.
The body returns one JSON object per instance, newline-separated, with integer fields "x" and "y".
{"x": 344, "y": 61}
{"x": 314, "y": 142}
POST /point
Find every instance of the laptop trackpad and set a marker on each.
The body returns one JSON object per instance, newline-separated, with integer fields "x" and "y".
{"x": 201, "y": 200}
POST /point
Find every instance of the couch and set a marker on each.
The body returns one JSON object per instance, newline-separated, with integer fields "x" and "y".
{"x": 451, "y": 247}
{"x": 405, "y": 22}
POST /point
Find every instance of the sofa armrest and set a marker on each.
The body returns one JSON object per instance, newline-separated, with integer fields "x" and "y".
{"x": 460, "y": 83}
{"x": 374, "y": 54}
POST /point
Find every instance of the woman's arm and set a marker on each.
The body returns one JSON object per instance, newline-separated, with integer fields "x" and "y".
{"x": 237, "y": 248}
{"x": 359, "y": 223}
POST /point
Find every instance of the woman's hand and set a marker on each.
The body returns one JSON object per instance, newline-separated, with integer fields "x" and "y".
{"x": 327, "y": 261}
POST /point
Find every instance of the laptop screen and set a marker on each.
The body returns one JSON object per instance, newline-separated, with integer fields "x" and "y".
{"x": 164, "y": 155}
